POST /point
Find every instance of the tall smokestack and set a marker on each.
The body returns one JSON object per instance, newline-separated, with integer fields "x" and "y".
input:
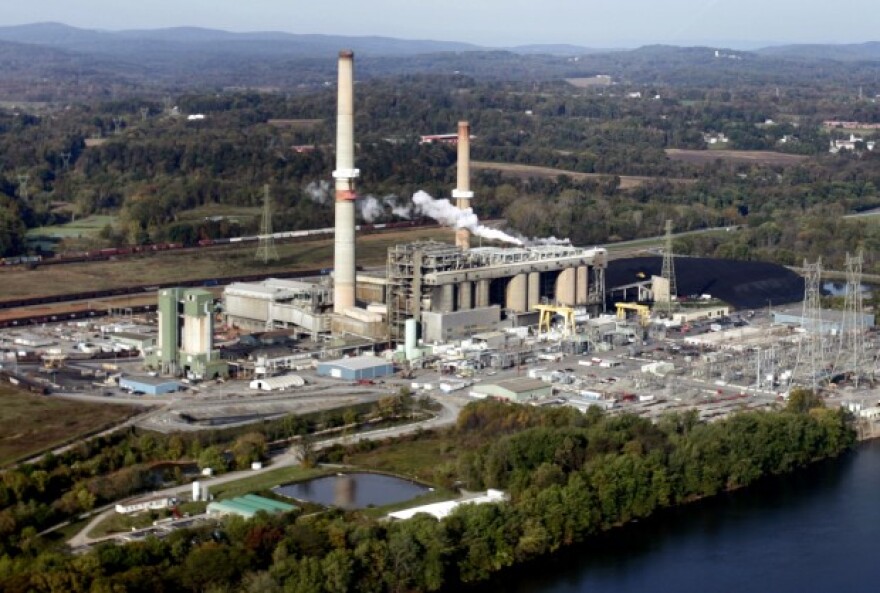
{"x": 345, "y": 174}
{"x": 462, "y": 193}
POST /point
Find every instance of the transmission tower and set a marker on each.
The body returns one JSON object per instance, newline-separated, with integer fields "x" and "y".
{"x": 852, "y": 335}
{"x": 266, "y": 249}
{"x": 23, "y": 186}
{"x": 145, "y": 113}
{"x": 668, "y": 271}
{"x": 811, "y": 323}
{"x": 117, "y": 125}
{"x": 65, "y": 160}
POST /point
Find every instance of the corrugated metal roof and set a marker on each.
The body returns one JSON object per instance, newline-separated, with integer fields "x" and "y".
{"x": 358, "y": 363}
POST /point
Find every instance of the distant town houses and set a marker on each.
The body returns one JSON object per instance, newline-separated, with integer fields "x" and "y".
{"x": 850, "y": 125}
{"x": 712, "y": 139}
{"x": 853, "y": 143}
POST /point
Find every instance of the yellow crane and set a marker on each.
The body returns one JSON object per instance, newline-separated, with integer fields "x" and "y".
{"x": 546, "y": 316}
{"x": 643, "y": 311}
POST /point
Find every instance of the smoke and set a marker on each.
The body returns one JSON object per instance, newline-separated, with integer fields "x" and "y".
{"x": 370, "y": 208}
{"x": 545, "y": 241}
{"x": 319, "y": 192}
{"x": 448, "y": 215}
{"x": 398, "y": 210}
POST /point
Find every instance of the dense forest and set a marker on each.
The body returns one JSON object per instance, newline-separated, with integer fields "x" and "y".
{"x": 156, "y": 171}
{"x": 570, "y": 476}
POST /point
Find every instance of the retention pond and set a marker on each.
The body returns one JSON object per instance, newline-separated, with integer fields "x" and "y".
{"x": 354, "y": 490}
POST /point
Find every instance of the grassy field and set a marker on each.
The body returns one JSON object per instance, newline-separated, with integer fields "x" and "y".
{"x": 526, "y": 171}
{"x": 30, "y": 424}
{"x": 84, "y": 227}
{"x": 763, "y": 157}
{"x": 413, "y": 459}
{"x": 207, "y": 263}
{"x": 236, "y": 212}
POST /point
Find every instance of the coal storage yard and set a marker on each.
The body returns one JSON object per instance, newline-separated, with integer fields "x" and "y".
{"x": 742, "y": 284}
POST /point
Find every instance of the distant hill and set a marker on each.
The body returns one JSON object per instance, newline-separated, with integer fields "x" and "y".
{"x": 194, "y": 38}
{"x": 850, "y": 52}
{"x": 52, "y": 61}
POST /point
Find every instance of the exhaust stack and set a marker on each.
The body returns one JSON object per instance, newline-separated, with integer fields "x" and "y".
{"x": 462, "y": 193}
{"x": 345, "y": 174}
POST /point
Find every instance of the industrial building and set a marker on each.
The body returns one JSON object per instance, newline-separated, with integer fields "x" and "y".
{"x": 450, "y": 290}
{"x": 186, "y": 336}
{"x": 248, "y": 506}
{"x": 279, "y": 303}
{"x": 459, "y": 290}
{"x": 359, "y": 368}
{"x": 515, "y": 390}
{"x": 149, "y": 385}
{"x": 829, "y": 322}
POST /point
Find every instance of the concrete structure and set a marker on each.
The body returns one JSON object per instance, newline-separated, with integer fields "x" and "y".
{"x": 149, "y": 385}
{"x": 345, "y": 174}
{"x": 186, "y": 335}
{"x": 432, "y": 277}
{"x": 152, "y": 504}
{"x": 275, "y": 303}
{"x": 248, "y": 506}
{"x": 440, "y": 510}
{"x": 462, "y": 194}
{"x": 445, "y": 327}
{"x": 356, "y": 369}
{"x": 708, "y": 313}
{"x": 515, "y": 390}
{"x": 143, "y": 343}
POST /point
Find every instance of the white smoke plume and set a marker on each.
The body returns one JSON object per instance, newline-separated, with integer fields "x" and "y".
{"x": 398, "y": 210}
{"x": 319, "y": 192}
{"x": 545, "y": 241}
{"x": 370, "y": 208}
{"x": 448, "y": 215}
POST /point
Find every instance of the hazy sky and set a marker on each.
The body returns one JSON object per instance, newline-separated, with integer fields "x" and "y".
{"x": 486, "y": 22}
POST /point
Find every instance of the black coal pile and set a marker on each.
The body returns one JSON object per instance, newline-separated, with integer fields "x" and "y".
{"x": 742, "y": 284}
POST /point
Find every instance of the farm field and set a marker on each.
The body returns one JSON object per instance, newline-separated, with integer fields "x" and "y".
{"x": 526, "y": 171}
{"x": 84, "y": 227}
{"x": 763, "y": 157}
{"x": 204, "y": 263}
{"x": 30, "y": 424}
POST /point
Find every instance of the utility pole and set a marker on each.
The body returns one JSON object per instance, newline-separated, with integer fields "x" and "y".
{"x": 22, "y": 186}
{"x": 811, "y": 323}
{"x": 668, "y": 271}
{"x": 852, "y": 334}
{"x": 266, "y": 250}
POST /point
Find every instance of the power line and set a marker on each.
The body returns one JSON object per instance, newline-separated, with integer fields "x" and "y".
{"x": 668, "y": 271}
{"x": 266, "y": 250}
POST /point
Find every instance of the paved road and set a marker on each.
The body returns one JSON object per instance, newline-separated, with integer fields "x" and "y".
{"x": 290, "y": 457}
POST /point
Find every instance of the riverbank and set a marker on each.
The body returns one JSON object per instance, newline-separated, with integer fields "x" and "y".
{"x": 811, "y": 530}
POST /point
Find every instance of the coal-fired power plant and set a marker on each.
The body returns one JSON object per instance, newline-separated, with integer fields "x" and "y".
{"x": 344, "y": 175}
{"x": 462, "y": 194}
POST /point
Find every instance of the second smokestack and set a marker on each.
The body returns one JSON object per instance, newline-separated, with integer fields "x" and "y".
{"x": 462, "y": 193}
{"x": 345, "y": 174}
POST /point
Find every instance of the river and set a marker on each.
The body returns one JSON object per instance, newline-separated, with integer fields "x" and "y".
{"x": 816, "y": 530}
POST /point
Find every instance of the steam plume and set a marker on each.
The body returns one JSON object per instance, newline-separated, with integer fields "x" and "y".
{"x": 448, "y": 215}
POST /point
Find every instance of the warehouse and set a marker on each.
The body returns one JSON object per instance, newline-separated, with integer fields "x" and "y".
{"x": 830, "y": 321}
{"x": 248, "y": 506}
{"x": 515, "y": 390}
{"x": 279, "y": 383}
{"x": 149, "y": 385}
{"x": 356, "y": 369}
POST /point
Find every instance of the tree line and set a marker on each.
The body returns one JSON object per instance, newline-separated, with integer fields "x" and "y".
{"x": 570, "y": 476}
